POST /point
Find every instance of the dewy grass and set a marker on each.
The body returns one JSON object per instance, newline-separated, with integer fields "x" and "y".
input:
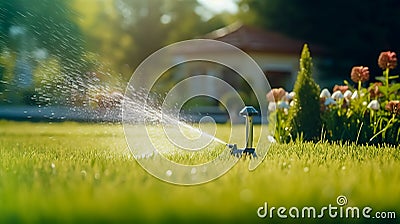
{"x": 70, "y": 172}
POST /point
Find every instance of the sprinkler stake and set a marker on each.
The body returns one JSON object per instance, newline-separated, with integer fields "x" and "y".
{"x": 248, "y": 112}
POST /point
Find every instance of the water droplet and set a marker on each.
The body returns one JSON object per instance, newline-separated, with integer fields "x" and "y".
{"x": 193, "y": 171}
{"x": 168, "y": 173}
{"x": 306, "y": 169}
{"x": 53, "y": 166}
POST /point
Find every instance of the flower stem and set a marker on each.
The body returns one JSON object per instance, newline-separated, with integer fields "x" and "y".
{"x": 387, "y": 82}
{"x": 384, "y": 129}
{"x": 387, "y": 76}
{"x": 359, "y": 87}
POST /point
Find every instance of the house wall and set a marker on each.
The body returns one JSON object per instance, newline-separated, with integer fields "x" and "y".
{"x": 285, "y": 65}
{"x": 278, "y": 63}
{"x": 268, "y": 62}
{"x": 235, "y": 61}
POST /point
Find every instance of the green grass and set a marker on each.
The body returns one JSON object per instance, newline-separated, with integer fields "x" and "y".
{"x": 70, "y": 172}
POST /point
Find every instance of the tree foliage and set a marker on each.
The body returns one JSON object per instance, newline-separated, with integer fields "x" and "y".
{"x": 125, "y": 32}
{"x": 32, "y": 32}
{"x": 47, "y": 24}
{"x": 352, "y": 30}
{"x": 105, "y": 39}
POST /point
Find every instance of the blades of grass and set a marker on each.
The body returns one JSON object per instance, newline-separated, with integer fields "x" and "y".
{"x": 359, "y": 131}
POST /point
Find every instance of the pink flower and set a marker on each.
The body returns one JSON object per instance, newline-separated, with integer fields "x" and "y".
{"x": 360, "y": 74}
{"x": 276, "y": 95}
{"x": 387, "y": 59}
{"x": 374, "y": 90}
{"x": 342, "y": 89}
{"x": 393, "y": 106}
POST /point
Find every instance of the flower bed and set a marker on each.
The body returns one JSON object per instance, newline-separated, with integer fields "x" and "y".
{"x": 364, "y": 114}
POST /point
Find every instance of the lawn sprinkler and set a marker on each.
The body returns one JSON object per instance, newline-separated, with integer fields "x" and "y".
{"x": 248, "y": 112}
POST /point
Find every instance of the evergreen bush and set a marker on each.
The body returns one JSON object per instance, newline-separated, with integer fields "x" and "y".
{"x": 304, "y": 116}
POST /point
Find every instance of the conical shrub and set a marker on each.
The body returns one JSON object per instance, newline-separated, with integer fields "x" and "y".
{"x": 304, "y": 116}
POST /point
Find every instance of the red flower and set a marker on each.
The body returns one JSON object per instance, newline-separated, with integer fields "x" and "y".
{"x": 393, "y": 106}
{"x": 374, "y": 90}
{"x": 342, "y": 89}
{"x": 387, "y": 60}
{"x": 360, "y": 74}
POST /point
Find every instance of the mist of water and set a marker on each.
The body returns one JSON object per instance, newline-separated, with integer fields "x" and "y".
{"x": 52, "y": 86}
{"x": 174, "y": 126}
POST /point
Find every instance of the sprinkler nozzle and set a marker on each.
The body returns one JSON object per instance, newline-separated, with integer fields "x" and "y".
{"x": 248, "y": 112}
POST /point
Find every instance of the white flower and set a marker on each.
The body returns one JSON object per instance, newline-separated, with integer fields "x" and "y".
{"x": 272, "y": 106}
{"x": 325, "y": 93}
{"x": 329, "y": 101}
{"x": 271, "y": 139}
{"x": 283, "y": 105}
{"x": 354, "y": 95}
{"x": 290, "y": 96}
{"x": 337, "y": 95}
{"x": 347, "y": 94}
{"x": 374, "y": 104}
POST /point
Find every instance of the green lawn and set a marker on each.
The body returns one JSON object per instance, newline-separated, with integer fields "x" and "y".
{"x": 70, "y": 172}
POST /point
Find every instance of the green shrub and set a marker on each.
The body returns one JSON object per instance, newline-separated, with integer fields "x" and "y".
{"x": 304, "y": 116}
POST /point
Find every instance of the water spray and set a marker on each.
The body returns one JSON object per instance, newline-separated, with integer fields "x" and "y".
{"x": 248, "y": 112}
{"x": 159, "y": 127}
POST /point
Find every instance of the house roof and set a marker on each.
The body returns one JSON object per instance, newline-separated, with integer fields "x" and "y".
{"x": 253, "y": 39}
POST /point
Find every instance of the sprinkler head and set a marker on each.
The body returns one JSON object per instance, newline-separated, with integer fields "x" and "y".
{"x": 248, "y": 112}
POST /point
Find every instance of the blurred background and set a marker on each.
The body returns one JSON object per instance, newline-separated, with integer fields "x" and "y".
{"x": 64, "y": 52}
